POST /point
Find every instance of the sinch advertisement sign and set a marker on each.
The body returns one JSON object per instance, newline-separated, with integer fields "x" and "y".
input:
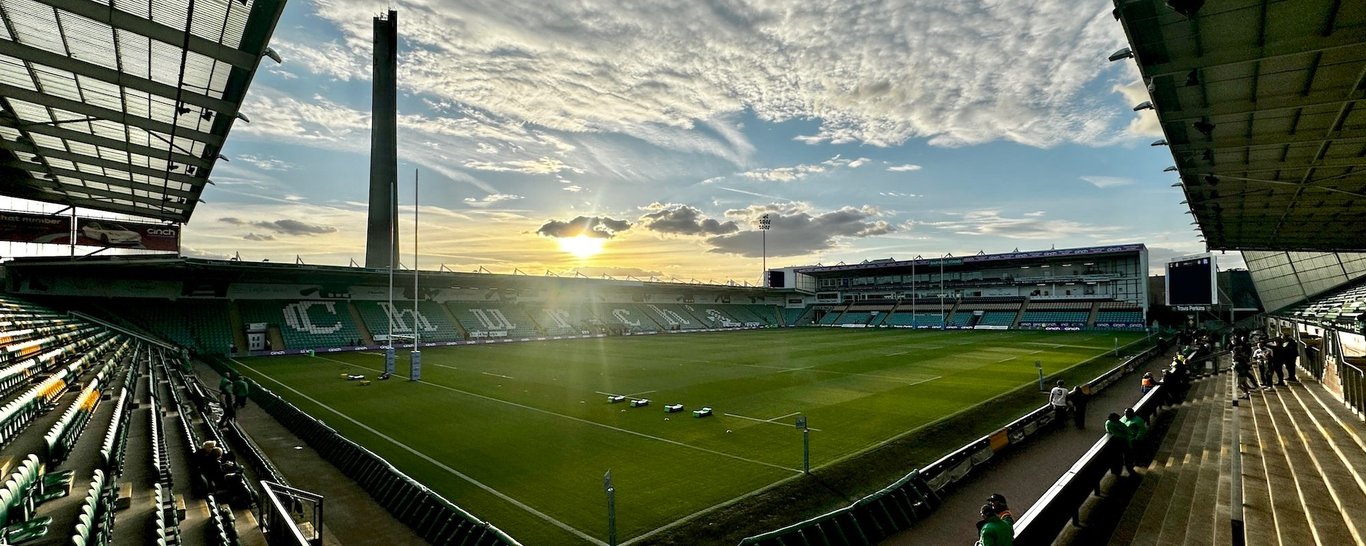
{"x": 121, "y": 234}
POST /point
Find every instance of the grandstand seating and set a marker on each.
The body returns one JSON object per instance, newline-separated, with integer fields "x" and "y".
{"x": 493, "y": 320}
{"x": 631, "y": 317}
{"x": 960, "y": 318}
{"x": 563, "y": 319}
{"x": 718, "y": 316}
{"x": 433, "y": 322}
{"x": 767, "y": 314}
{"x": 1134, "y": 317}
{"x": 304, "y": 324}
{"x": 907, "y": 319}
{"x": 200, "y": 325}
{"x": 671, "y": 316}
{"x": 997, "y": 318}
{"x": 1041, "y": 318}
{"x": 1345, "y": 304}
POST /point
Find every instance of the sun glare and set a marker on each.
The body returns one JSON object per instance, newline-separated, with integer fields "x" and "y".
{"x": 582, "y": 246}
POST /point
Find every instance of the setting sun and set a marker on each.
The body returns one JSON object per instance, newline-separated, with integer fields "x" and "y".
{"x": 582, "y": 246}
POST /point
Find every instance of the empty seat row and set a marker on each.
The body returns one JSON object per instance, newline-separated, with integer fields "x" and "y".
{"x": 22, "y": 493}
{"x": 95, "y": 524}
{"x": 222, "y": 526}
{"x": 116, "y": 437}
{"x": 62, "y": 436}
{"x": 17, "y": 414}
{"x": 165, "y": 522}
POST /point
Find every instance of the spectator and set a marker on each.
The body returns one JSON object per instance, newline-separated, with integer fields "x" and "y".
{"x": 1261, "y": 356}
{"x": 229, "y": 415}
{"x": 1147, "y": 383}
{"x": 1287, "y": 353}
{"x": 239, "y": 389}
{"x": 1117, "y": 429}
{"x": 994, "y": 530}
{"x": 1242, "y": 367}
{"x": 203, "y": 461}
{"x": 225, "y": 388}
{"x": 1077, "y": 398}
{"x": 1057, "y": 398}
{"x": 998, "y": 502}
{"x": 1138, "y": 429}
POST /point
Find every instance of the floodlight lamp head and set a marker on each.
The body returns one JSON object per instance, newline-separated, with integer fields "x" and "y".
{"x": 274, "y": 56}
{"x": 1193, "y": 78}
{"x": 1159, "y": 142}
{"x": 1205, "y": 127}
{"x": 1122, "y": 53}
{"x": 1170, "y": 169}
{"x": 1145, "y": 105}
{"x": 243, "y": 117}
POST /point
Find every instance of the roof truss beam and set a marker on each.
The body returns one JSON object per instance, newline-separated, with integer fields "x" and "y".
{"x": 91, "y": 177}
{"x": 96, "y": 140}
{"x": 105, "y": 113}
{"x": 54, "y": 192}
{"x": 107, "y": 164}
{"x": 125, "y": 21}
{"x": 81, "y": 68}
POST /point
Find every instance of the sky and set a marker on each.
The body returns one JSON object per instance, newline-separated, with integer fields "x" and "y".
{"x": 646, "y": 139}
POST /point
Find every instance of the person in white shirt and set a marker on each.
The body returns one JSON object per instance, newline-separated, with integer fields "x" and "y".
{"x": 1058, "y": 399}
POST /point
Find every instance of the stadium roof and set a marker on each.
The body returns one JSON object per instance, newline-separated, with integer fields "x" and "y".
{"x": 122, "y": 106}
{"x": 1258, "y": 100}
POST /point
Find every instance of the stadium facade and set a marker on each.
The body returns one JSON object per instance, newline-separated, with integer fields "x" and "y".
{"x": 1073, "y": 288}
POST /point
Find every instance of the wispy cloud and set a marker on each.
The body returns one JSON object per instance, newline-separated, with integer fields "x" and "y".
{"x": 903, "y": 168}
{"x": 1031, "y": 225}
{"x": 1104, "y": 182}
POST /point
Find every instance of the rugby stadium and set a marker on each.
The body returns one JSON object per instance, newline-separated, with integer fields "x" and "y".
{"x": 155, "y": 393}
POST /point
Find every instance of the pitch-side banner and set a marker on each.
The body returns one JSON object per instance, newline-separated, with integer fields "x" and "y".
{"x": 34, "y": 228}
{"x": 120, "y": 234}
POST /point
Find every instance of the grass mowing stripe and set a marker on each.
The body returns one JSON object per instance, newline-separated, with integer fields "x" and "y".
{"x": 583, "y": 421}
{"x": 429, "y": 459}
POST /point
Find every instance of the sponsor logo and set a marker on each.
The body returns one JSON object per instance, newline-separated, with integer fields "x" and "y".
{"x": 161, "y": 232}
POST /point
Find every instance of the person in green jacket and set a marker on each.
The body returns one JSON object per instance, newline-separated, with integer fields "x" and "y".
{"x": 239, "y": 389}
{"x": 995, "y": 531}
{"x": 225, "y": 389}
{"x": 1116, "y": 428}
{"x": 1138, "y": 428}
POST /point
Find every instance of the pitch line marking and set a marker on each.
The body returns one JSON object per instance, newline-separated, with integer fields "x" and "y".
{"x": 498, "y": 375}
{"x": 762, "y": 421}
{"x": 429, "y": 459}
{"x": 633, "y": 396}
{"x": 585, "y": 421}
{"x": 899, "y": 354}
{"x": 782, "y": 416}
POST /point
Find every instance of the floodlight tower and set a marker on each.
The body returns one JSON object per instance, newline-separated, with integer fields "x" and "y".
{"x": 381, "y": 242}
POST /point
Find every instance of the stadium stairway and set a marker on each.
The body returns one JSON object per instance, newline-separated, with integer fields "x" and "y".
{"x": 1182, "y": 497}
{"x": 1302, "y": 472}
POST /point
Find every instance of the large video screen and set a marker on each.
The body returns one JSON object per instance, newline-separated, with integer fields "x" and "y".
{"x": 1191, "y": 281}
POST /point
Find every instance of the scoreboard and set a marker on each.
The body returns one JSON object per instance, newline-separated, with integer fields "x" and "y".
{"x": 1192, "y": 282}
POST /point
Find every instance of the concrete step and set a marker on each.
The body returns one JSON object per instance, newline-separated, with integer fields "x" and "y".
{"x": 1221, "y": 529}
{"x": 1345, "y": 431}
{"x": 1326, "y": 463}
{"x": 1199, "y": 528}
{"x": 1282, "y": 460}
{"x": 1156, "y": 510}
{"x": 1128, "y": 525}
{"x": 1179, "y": 507}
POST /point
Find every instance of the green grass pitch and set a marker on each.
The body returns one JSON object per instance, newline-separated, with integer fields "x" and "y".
{"x": 520, "y": 434}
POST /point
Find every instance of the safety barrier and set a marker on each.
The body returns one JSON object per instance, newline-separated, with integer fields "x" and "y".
{"x": 1061, "y": 502}
{"x": 911, "y": 498}
{"x": 1353, "y": 386}
{"x": 426, "y": 512}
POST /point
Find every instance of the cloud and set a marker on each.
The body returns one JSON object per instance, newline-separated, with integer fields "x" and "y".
{"x": 797, "y": 231}
{"x": 1144, "y": 123}
{"x": 903, "y": 168}
{"x": 683, "y": 220}
{"x": 798, "y": 172}
{"x": 491, "y": 199}
{"x": 286, "y": 226}
{"x": 587, "y": 226}
{"x": 1103, "y": 182}
{"x": 259, "y": 237}
{"x": 898, "y": 194}
{"x": 876, "y": 73}
{"x": 544, "y": 165}
{"x": 1032, "y": 225}
{"x": 265, "y": 163}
